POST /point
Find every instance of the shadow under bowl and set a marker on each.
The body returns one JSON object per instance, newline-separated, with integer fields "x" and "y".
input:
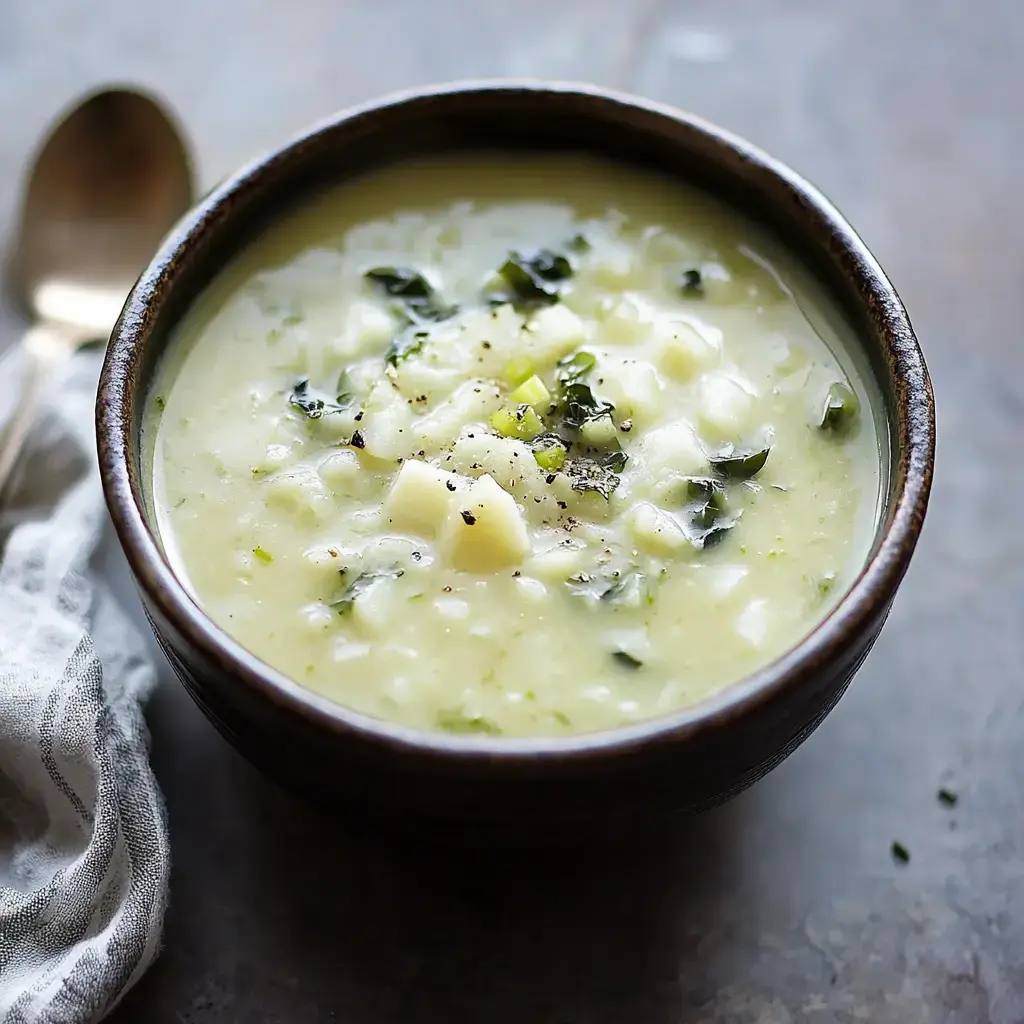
{"x": 686, "y": 761}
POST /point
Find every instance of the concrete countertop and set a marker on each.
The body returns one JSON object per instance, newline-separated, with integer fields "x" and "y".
{"x": 784, "y": 905}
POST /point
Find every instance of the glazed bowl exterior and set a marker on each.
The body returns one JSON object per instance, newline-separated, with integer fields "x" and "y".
{"x": 688, "y": 760}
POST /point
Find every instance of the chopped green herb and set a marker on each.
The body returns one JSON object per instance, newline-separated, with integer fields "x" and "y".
{"x": 407, "y": 343}
{"x": 630, "y": 588}
{"x": 161, "y": 403}
{"x": 354, "y": 589}
{"x": 521, "y": 422}
{"x": 516, "y": 370}
{"x": 312, "y": 405}
{"x": 627, "y": 588}
{"x": 578, "y": 244}
{"x": 413, "y": 291}
{"x": 826, "y": 583}
{"x": 561, "y": 718}
{"x": 899, "y": 852}
{"x": 736, "y": 464}
{"x": 262, "y": 555}
{"x": 457, "y": 720}
{"x": 572, "y": 369}
{"x": 531, "y": 392}
{"x": 841, "y": 409}
{"x": 948, "y": 798}
{"x": 692, "y": 283}
{"x": 588, "y": 475}
{"x": 627, "y": 660}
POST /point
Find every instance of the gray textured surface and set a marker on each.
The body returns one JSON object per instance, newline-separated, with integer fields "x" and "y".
{"x": 785, "y": 905}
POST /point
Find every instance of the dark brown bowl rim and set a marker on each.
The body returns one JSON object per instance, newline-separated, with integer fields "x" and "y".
{"x": 864, "y": 603}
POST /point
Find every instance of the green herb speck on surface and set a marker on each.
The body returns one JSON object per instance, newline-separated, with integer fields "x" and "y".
{"x": 899, "y": 852}
{"x": 262, "y": 555}
{"x": 458, "y": 721}
{"x": 353, "y": 589}
{"x": 627, "y": 660}
{"x": 691, "y": 283}
{"x": 841, "y": 409}
{"x": 312, "y": 405}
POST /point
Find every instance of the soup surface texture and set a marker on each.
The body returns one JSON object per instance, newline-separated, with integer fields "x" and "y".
{"x": 513, "y": 446}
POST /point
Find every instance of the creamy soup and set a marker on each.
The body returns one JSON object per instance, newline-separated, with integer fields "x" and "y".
{"x": 513, "y": 446}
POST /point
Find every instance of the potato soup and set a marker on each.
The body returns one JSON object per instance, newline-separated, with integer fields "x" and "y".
{"x": 513, "y": 445}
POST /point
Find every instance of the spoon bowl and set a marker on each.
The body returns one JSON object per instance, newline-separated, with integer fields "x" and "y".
{"x": 105, "y": 187}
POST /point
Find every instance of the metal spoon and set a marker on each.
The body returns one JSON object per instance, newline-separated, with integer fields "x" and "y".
{"x": 107, "y": 184}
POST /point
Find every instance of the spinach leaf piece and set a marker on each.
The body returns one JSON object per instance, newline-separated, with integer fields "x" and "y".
{"x": 415, "y": 293}
{"x": 409, "y": 342}
{"x": 534, "y": 280}
{"x": 578, "y": 405}
{"x": 738, "y": 464}
{"x": 572, "y": 369}
{"x": 621, "y": 588}
{"x": 841, "y": 409}
{"x": 627, "y": 660}
{"x": 312, "y": 405}
{"x": 706, "y": 518}
{"x": 692, "y": 283}
{"x": 353, "y": 589}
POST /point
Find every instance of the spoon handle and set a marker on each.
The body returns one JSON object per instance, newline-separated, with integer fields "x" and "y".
{"x": 45, "y": 347}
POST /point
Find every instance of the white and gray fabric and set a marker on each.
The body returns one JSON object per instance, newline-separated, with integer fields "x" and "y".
{"x": 84, "y": 856}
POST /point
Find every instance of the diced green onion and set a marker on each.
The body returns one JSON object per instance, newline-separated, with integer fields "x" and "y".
{"x": 551, "y": 459}
{"x": 531, "y": 392}
{"x": 521, "y": 422}
{"x": 517, "y": 370}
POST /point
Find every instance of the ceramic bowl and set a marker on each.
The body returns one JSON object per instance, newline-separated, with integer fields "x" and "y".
{"x": 686, "y": 761}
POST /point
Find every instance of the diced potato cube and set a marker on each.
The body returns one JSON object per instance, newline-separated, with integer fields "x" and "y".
{"x": 553, "y": 332}
{"x": 683, "y": 351}
{"x": 374, "y": 609}
{"x": 367, "y": 329}
{"x": 725, "y": 406}
{"x": 485, "y": 531}
{"x": 556, "y": 564}
{"x": 386, "y": 424}
{"x": 599, "y": 433}
{"x": 420, "y": 497}
{"x": 510, "y": 462}
{"x": 655, "y": 530}
{"x": 300, "y": 491}
{"x": 344, "y": 474}
{"x": 472, "y": 402}
{"x": 658, "y": 464}
{"x": 626, "y": 323}
{"x": 634, "y": 387}
{"x": 611, "y": 265}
